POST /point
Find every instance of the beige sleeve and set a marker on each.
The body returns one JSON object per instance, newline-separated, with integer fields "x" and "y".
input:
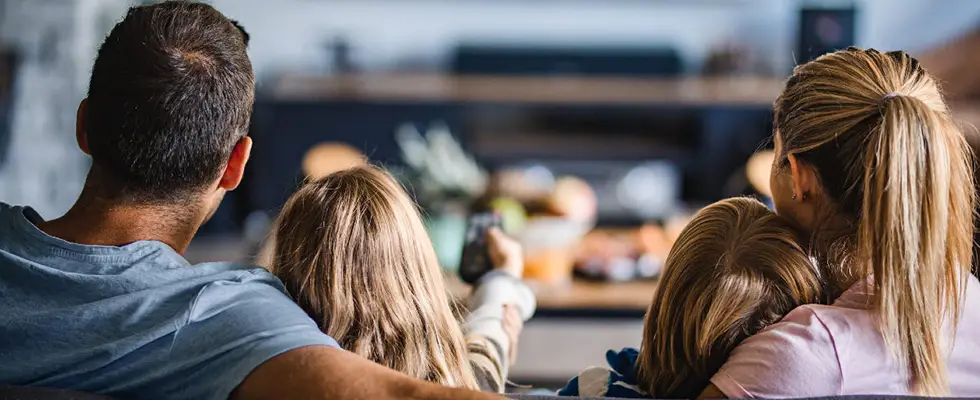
{"x": 487, "y": 342}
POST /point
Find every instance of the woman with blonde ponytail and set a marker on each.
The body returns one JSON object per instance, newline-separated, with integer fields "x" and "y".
{"x": 872, "y": 168}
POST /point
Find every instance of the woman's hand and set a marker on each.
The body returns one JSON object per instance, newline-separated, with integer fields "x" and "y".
{"x": 506, "y": 254}
{"x": 513, "y": 325}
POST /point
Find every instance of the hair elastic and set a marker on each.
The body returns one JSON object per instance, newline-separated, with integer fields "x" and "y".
{"x": 888, "y": 96}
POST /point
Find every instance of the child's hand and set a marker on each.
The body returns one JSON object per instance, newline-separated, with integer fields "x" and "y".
{"x": 506, "y": 254}
{"x": 513, "y": 325}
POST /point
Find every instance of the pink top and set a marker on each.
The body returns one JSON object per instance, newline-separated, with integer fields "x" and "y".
{"x": 819, "y": 350}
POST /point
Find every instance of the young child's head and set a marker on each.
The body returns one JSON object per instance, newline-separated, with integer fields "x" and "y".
{"x": 353, "y": 252}
{"x": 734, "y": 270}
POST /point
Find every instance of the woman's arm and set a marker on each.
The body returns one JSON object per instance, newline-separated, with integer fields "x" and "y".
{"x": 796, "y": 357}
{"x": 491, "y": 342}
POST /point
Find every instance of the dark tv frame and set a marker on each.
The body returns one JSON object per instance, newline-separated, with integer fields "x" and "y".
{"x": 9, "y": 63}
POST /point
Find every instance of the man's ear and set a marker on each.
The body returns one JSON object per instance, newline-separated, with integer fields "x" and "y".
{"x": 235, "y": 170}
{"x": 804, "y": 178}
{"x": 81, "y": 134}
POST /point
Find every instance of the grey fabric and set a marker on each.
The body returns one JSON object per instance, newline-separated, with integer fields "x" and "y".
{"x": 863, "y": 397}
{"x": 138, "y": 320}
{"x": 546, "y": 397}
{"x": 30, "y": 393}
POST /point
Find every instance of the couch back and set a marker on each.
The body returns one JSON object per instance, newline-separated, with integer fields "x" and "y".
{"x": 32, "y": 393}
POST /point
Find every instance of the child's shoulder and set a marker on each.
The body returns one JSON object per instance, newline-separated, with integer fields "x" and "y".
{"x": 616, "y": 380}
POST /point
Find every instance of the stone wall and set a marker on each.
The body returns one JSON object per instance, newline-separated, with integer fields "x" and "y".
{"x": 57, "y": 41}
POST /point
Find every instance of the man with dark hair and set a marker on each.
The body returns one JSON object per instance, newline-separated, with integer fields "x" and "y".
{"x": 100, "y": 300}
{"x": 169, "y": 100}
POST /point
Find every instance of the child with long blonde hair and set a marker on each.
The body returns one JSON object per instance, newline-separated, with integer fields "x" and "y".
{"x": 734, "y": 270}
{"x": 352, "y": 251}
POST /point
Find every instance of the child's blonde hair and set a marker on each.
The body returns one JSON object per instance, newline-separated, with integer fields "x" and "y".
{"x": 735, "y": 269}
{"x": 352, "y": 250}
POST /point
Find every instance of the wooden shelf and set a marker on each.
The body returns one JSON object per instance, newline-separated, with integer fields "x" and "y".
{"x": 738, "y": 91}
{"x": 586, "y": 295}
{"x": 756, "y": 92}
{"x": 598, "y": 296}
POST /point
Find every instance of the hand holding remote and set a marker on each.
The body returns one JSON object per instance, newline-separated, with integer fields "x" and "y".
{"x": 505, "y": 253}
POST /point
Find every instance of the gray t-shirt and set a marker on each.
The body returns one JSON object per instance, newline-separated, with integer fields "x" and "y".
{"x": 135, "y": 321}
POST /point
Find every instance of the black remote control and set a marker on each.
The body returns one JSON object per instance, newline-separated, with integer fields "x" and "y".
{"x": 475, "y": 261}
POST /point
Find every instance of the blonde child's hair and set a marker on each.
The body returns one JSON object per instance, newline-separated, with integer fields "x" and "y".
{"x": 352, "y": 250}
{"x": 736, "y": 268}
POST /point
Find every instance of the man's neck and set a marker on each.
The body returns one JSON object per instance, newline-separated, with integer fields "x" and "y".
{"x": 99, "y": 221}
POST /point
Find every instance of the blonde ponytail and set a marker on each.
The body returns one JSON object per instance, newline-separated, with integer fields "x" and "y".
{"x": 906, "y": 233}
{"x": 899, "y": 172}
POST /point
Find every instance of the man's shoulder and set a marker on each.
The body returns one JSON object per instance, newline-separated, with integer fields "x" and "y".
{"x": 7, "y": 213}
{"x": 5, "y": 207}
{"x": 159, "y": 326}
{"x": 237, "y": 270}
{"x": 230, "y": 283}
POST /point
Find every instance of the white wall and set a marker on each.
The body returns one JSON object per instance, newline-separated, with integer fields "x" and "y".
{"x": 57, "y": 40}
{"x": 45, "y": 169}
{"x": 290, "y": 35}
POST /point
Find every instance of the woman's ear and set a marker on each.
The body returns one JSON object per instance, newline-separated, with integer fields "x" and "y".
{"x": 804, "y": 178}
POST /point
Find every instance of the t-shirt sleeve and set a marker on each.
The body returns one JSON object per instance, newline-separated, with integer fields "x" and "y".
{"x": 793, "y": 358}
{"x": 234, "y": 327}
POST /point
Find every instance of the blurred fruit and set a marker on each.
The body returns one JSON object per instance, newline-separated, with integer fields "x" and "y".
{"x": 573, "y": 198}
{"x": 512, "y": 212}
{"x": 674, "y": 226}
{"x": 329, "y": 157}
{"x": 652, "y": 239}
{"x": 622, "y": 254}
{"x": 757, "y": 170}
{"x": 649, "y": 266}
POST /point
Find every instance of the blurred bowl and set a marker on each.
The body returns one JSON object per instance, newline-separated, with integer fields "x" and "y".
{"x": 549, "y": 248}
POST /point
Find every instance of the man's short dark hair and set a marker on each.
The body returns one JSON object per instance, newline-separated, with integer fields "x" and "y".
{"x": 171, "y": 94}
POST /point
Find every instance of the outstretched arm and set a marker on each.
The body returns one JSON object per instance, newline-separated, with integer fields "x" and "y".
{"x": 499, "y": 305}
{"x": 322, "y": 372}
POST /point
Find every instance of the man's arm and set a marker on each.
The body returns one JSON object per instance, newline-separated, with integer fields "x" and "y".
{"x": 322, "y": 372}
{"x": 711, "y": 392}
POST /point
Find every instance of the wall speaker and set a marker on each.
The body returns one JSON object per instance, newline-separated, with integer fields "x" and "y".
{"x": 824, "y": 30}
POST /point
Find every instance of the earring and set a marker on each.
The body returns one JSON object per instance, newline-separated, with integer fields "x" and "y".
{"x": 794, "y": 196}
